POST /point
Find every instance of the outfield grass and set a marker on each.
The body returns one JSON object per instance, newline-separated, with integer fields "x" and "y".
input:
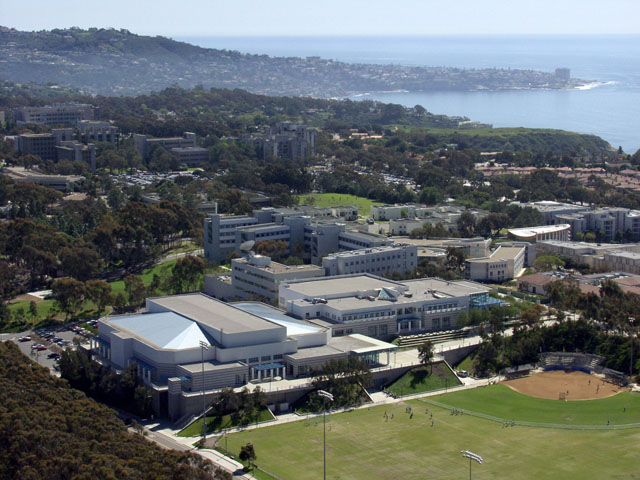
{"x": 423, "y": 379}
{"x": 361, "y": 445}
{"x": 324, "y": 200}
{"x": 217, "y": 423}
{"x": 516, "y": 406}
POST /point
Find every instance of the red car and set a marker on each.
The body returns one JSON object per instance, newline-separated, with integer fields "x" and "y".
{"x": 41, "y": 348}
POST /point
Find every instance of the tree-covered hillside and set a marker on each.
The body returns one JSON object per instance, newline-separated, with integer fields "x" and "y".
{"x": 48, "y": 430}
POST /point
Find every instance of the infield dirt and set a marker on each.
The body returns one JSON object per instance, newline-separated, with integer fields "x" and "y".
{"x": 571, "y": 385}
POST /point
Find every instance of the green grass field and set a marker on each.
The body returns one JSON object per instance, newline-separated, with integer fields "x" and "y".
{"x": 324, "y": 200}
{"x": 516, "y": 406}
{"x": 423, "y": 379}
{"x": 361, "y": 445}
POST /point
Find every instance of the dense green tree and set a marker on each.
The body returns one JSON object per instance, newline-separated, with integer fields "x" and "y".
{"x": 68, "y": 294}
{"x": 99, "y": 292}
{"x": 136, "y": 290}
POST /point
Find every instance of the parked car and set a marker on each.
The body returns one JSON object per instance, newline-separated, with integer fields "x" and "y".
{"x": 41, "y": 348}
{"x": 462, "y": 373}
{"x": 24, "y": 339}
{"x": 54, "y": 355}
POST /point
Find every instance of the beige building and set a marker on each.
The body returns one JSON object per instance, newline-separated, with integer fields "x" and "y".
{"x": 505, "y": 263}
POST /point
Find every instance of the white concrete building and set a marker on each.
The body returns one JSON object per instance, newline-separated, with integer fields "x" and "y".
{"x": 377, "y": 260}
{"x": 256, "y": 276}
{"x": 247, "y": 342}
{"x": 376, "y": 307}
{"x": 505, "y": 263}
{"x": 561, "y": 232}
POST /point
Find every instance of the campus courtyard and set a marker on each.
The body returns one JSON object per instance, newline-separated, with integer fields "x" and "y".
{"x": 390, "y": 441}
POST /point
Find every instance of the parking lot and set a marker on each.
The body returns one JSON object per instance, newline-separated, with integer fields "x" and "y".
{"x": 51, "y": 340}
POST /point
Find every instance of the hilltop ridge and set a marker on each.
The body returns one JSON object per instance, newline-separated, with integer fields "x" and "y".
{"x": 118, "y": 62}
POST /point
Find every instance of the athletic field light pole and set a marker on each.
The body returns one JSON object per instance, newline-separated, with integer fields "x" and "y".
{"x": 471, "y": 456}
{"x": 203, "y": 346}
{"x": 631, "y": 320}
{"x": 325, "y": 396}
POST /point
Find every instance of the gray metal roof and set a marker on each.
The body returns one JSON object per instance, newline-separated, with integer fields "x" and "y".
{"x": 293, "y": 326}
{"x": 214, "y": 313}
{"x": 165, "y": 330}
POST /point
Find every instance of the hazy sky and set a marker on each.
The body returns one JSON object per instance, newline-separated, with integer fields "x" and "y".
{"x": 329, "y": 17}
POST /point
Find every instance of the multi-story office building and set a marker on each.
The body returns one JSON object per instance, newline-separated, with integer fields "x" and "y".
{"x": 471, "y": 247}
{"x": 256, "y": 277}
{"x": 404, "y": 226}
{"x": 377, "y": 260}
{"x": 57, "y": 145}
{"x": 286, "y": 141}
{"x": 96, "y": 131}
{"x": 505, "y": 263}
{"x": 224, "y": 234}
{"x": 42, "y": 145}
{"x": 191, "y": 156}
{"x": 600, "y": 256}
{"x": 376, "y": 307}
{"x": 144, "y": 143}
{"x": 608, "y": 222}
{"x": 246, "y": 342}
{"x": 550, "y": 209}
{"x": 56, "y": 114}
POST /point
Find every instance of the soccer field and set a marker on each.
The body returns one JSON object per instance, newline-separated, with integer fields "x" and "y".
{"x": 362, "y": 445}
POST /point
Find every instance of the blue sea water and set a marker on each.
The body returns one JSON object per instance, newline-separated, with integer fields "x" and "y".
{"x": 611, "y": 111}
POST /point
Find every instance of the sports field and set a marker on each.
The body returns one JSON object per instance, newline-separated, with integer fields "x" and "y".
{"x": 324, "y": 200}
{"x": 363, "y": 445}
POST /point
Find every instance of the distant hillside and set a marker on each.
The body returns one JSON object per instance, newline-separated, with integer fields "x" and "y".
{"x": 117, "y": 62}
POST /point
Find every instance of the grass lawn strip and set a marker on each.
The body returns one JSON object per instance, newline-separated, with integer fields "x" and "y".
{"x": 422, "y": 379}
{"x": 215, "y": 424}
{"x": 325, "y": 200}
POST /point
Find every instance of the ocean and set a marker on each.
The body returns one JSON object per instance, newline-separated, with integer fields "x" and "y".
{"x": 610, "y": 110}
